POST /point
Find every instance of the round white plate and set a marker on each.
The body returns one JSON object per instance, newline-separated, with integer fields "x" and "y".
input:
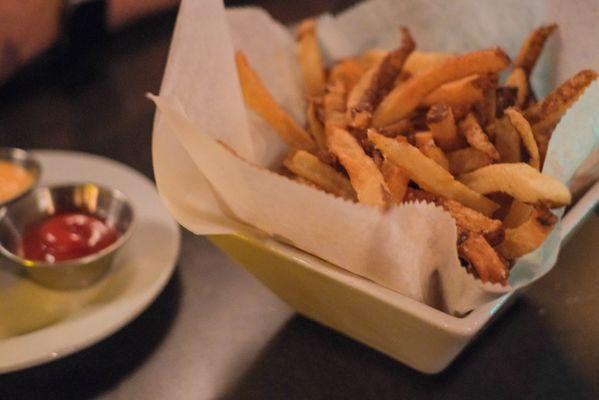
{"x": 37, "y": 324}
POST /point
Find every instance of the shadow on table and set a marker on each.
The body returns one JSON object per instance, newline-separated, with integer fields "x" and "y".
{"x": 91, "y": 372}
{"x": 515, "y": 358}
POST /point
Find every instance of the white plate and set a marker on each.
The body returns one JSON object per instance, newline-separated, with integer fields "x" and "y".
{"x": 37, "y": 324}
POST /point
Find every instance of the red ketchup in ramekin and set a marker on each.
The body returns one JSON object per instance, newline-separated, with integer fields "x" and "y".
{"x": 66, "y": 236}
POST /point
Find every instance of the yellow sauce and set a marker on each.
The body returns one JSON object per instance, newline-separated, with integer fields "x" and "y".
{"x": 14, "y": 180}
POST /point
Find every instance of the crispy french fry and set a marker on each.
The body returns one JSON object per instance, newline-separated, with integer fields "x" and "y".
{"x": 348, "y": 71}
{"x": 420, "y": 61}
{"x": 543, "y": 116}
{"x": 399, "y": 128}
{"x": 441, "y": 122}
{"x": 425, "y": 143}
{"x": 476, "y": 137}
{"x": 428, "y": 174}
{"x": 479, "y": 253}
{"x": 487, "y": 107}
{"x": 397, "y": 181}
{"x": 527, "y": 236}
{"x": 507, "y": 141}
{"x": 334, "y": 105}
{"x": 519, "y": 180}
{"x": 258, "y": 98}
{"x": 531, "y": 48}
{"x": 518, "y": 214}
{"x": 403, "y": 99}
{"x": 519, "y": 80}
{"x": 465, "y": 91}
{"x": 466, "y": 160}
{"x": 365, "y": 177}
{"x": 466, "y": 218}
{"x": 309, "y": 167}
{"x": 316, "y": 127}
{"x": 523, "y": 128}
{"x": 371, "y": 57}
{"x": 381, "y": 81}
{"x": 360, "y": 88}
{"x": 310, "y": 60}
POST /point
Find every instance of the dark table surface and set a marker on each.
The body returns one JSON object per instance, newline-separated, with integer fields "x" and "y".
{"x": 214, "y": 332}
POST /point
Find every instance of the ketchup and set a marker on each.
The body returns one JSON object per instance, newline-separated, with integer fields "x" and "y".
{"x": 66, "y": 236}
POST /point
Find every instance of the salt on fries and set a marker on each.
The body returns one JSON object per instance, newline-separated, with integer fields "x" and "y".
{"x": 390, "y": 127}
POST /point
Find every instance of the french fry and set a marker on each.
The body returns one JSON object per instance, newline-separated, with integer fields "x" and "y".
{"x": 397, "y": 181}
{"x": 518, "y": 80}
{"x": 420, "y": 61}
{"x": 465, "y": 91}
{"x": 466, "y": 160}
{"x": 371, "y": 57}
{"x": 505, "y": 98}
{"x": 348, "y": 71}
{"x": 523, "y": 128}
{"x": 425, "y": 143}
{"x": 544, "y": 115}
{"x": 487, "y": 107}
{"x": 316, "y": 127}
{"x": 519, "y": 180}
{"x": 518, "y": 213}
{"x": 528, "y": 236}
{"x": 441, "y": 122}
{"x": 403, "y": 99}
{"x": 364, "y": 175}
{"x": 402, "y": 127}
{"x": 507, "y": 141}
{"x": 466, "y": 218}
{"x": 476, "y": 137}
{"x": 429, "y": 175}
{"x": 258, "y": 98}
{"x": 479, "y": 253}
{"x": 309, "y": 167}
{"x": 310, "y": 60}
{"x": 531, "y": 49}
{"x": 334, "y": 105}
{"x": 359, "y": 89}
{"x": 381, "y": 81}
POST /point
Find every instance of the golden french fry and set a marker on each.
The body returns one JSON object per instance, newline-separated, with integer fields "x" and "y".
{"x": 519, "y": 180}
{"x": 310, "y": 60}
{"x": 420, "y": 61}
{"x": 316, "y": 127}
{"x": 371, "y": 57}
{"x": 544, "y": 115}
{"x": 466, "y": 160}
{"x": 334, "y": 105}
{"x": 506, "y": 141}
{"x": 429, "y": 175}
{"x": 462, "y": 92}
{"x": 487, "y": 107}
{"x": 348, "y": 71}
{"x": 523, "y": 128}
{"x": 476, "y": 137}
{"x": 309, "y": 167}
{"x": 518, "y": 214}
{"x": 381, "y": 82}
{"x": 519, "y": 80}
{"x": 364, "y": 175}
{"x": 397, "y": 181}
{"x": 258, "y": 98}
{"x": 403, "y": 99}
{"x": 531, "y": 49}
{"x": 466, "y": 218}
{"x": 479, "y": 253}
{"x": 441, "y": 122}
{"x": 425, "y": 143}
{"x": 527, "y": 236}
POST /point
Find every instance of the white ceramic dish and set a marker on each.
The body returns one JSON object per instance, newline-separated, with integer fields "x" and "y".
{"x": 411, "y": 332}
{"x": 38, "y": 324}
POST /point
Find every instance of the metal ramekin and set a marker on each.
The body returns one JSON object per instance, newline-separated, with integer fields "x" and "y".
{"x": 108, "y": 204}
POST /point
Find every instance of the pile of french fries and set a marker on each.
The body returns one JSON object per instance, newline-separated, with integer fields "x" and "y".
{"x": 389, "y": 127}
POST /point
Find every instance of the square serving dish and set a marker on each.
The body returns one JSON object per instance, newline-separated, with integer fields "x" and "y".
{"x": 408, "y": 331}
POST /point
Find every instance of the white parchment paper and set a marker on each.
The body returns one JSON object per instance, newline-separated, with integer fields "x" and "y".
{"x": 210, "y": 190}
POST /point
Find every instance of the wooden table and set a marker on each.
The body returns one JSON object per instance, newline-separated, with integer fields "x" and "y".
{"x": 216, "y": 333}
